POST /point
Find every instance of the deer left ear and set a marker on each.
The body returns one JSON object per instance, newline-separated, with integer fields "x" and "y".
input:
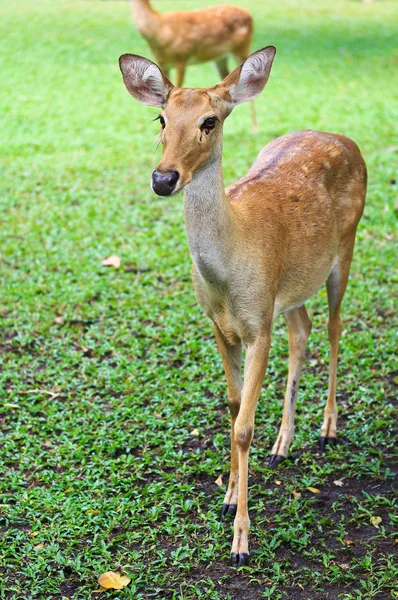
{"x": 250, "y": 78}
{"x": 144, "y": 80}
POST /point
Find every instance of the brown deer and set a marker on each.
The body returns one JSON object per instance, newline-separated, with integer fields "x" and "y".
{"x": 179, "y": 38}
{"x": 261, "y": 247}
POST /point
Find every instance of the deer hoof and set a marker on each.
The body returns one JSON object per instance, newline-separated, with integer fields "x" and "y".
{"x": 239, "y": 560}
{"x": 228, "y": 509}
{"x": 324, "y": 441}
{"x": 274, "y": 460}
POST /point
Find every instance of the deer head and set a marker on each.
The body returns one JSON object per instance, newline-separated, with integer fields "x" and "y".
{"x": 192, "y": 119}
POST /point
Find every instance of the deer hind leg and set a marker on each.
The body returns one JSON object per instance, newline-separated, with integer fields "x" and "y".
{"x": 222, "y": 67}
{"x": 180, "y": 74}
{"x": 299, "y": 325}
{"x": 232, "y": 360}
{"x": 335, "y": 285}
{"x": 255, "y": 367}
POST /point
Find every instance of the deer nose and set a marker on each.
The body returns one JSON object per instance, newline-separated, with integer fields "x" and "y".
{"x": 163, "y": 184}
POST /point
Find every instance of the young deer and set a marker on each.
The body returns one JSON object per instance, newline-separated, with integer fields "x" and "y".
{"x": 261, "y": 247}
{"x": 177, "y": 39}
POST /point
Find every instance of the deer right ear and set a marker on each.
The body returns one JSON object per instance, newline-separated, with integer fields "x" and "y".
{"x": 144, "y": 80}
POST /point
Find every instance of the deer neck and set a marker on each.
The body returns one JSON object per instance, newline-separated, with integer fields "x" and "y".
{"x": 145, "y": 18}
{"x": 209, "y": 222}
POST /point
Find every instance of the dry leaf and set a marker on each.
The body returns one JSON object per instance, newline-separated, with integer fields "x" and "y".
{"x": 375, "y": 521}
{"x": 59, "y": 320}
{"x": 348, "y": 542}
{"x": 113, "y": 581}
{"x": 296, "y": 495}
{"x": 195, "y": 432}
{"x": 39, "y": 546}
{"x": 300, "y": 586}
{"x": 218, "y": 481}
{"x": 34, "y": 533}
{"x": 278, "y": 482}
{"x": 92, "y": 511}
{"x": 112, "y": 261}
{"x": 344, "y": 566}
{"x": 313, "y": 490}
{"x": 338, "y": 483}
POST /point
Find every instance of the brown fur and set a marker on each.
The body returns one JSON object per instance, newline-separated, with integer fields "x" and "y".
{"x": 260, "y": 248}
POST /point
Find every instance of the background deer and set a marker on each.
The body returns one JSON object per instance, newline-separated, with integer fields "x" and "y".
{"x": 177, "y": 39}
{"x": 260, "y": 248}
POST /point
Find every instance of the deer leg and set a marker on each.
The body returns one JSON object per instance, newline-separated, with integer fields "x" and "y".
{"x": 180, "y": 74}
{"x": 232, "y": 360}
{"x": 299, "y": 325}
{"x": 335, "y": 285}
{"x": 255, "y": 367}
{"x": 222, "y": 67}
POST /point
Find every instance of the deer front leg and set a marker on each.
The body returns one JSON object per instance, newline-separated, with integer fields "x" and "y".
{"x": 255, "y": 367}
{"x": 232, "y": 360}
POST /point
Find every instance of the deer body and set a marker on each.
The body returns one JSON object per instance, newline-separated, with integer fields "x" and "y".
{"x": 186, "y": 37}
{"x": 260, "y": 248}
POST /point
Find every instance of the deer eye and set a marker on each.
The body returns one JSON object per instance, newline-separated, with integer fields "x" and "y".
{"x": 208, "y": 124}
{"x": 162, "y": 121}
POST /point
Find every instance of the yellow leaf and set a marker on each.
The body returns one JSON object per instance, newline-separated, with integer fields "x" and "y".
{"x": 375, "y": 521}
{"x": 278, "y": 482}
{"x": 218, "y": 481}
{"x": 112, "y": 261}
{"x": 313, "y": 490}
{"x": 34, "y": 533}
{"x": 296, "y": 495}
{"x": 300, "y": 586}
{"x": 92, "y": 511}
{"x": 39, "y": 546}
{"x": 195, "y": 432}
{"x": 69, "y": 490}
{"x": 113, "y": 581}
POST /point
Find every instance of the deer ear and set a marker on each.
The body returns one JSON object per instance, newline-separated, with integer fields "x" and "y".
{"x": 144, "y": 80}
{"x": 249, "y": 79}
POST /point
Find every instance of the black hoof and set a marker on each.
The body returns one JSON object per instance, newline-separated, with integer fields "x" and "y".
{"x": 324, "y": 441}
{"x": 228, "y": 509}
{"x": 239, "y": 560}
{"x": 274, "y": 460}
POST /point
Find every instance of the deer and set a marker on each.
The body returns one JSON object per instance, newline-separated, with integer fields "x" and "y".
{"x": 260, "y": 248}
{"x": 179, "y": 38}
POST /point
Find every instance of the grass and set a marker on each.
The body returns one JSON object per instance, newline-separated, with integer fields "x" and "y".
{"x": 113, "y": 408}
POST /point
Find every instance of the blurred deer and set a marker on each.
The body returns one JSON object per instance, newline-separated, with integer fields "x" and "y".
{"x": 177, "y": 39}
{"x": 260, "y": 248}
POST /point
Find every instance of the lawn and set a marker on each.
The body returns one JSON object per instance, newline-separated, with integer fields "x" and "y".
{"x": 113, "y": 400}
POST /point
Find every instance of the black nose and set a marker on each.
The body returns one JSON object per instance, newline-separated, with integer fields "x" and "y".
{"x": 163, "y": 184}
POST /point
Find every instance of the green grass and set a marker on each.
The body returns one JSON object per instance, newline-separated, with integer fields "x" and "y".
{"x": 106, "y": 373}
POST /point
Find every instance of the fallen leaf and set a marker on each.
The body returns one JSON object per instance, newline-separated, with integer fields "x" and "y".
{"x": 34, "y": 533}
{"x": 39, "y": 546}
{"x": 112, "y": 261}
{"x": 348, "y": 542}
{"x": 113, "y": 581}
{"x": 278, "y": 482}
{"x": 218, "y": 481}
{"x": 195, "y": 432}
{"x": 375, "y": 521}
{"x": 69, "y": 490}
{"x": 344, "y": 566}
{"x": 59, "y": 320}
{"x": 300, "y": 586}
{"x": 92, "y": 511}
{"x": 338, "y": 483}
{"x": 313, "y": 490}
{"x": 296, "y": 495}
